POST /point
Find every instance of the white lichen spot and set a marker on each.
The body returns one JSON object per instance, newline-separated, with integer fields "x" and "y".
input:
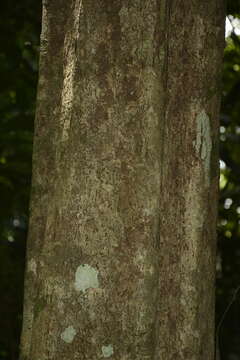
{"x": 107, "y": 351}
{"x": 68, "y": 334}
{"x": 86, "y": 277}
{"x": 32, "y": 266}
{"x": 203, "y": 143}
{"x": 147, "y": 211}
{"x": 107, "y": 187}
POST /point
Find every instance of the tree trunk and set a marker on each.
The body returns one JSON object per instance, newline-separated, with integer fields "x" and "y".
{"x": 121, "y": 248}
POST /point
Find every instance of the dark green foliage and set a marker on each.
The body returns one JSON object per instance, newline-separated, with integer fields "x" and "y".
{"x": 233, "y": 7}
{"x": 229, "y": 206}
{"x": 19, "y": 38}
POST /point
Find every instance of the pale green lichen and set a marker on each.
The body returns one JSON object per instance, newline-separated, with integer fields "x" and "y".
{"x": 86, "y": 277}
{"x": 107, "y": 351}
{"x": 32, "y": 266}
{"x": 68, "y": 334}
{"x": 203, "y": 143}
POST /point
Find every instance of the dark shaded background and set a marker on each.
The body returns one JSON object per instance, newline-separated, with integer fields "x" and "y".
{"x": 19, "y": 39}
{"x": 19, "y": 47}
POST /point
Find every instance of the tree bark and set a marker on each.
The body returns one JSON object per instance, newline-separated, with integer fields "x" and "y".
{"x": 121, "y": 247}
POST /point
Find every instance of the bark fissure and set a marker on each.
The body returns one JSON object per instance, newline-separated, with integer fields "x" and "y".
{"x": 165, "y": 7}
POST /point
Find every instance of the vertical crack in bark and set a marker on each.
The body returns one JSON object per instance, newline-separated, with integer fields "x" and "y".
{"x": 164, "y": 11}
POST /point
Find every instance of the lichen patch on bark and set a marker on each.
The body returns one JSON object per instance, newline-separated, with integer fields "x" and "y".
{"x": 203, "y": 143}
{"x": 107, "y": 350}
{"x": 86, "y": 277}
{"x": 32, "y": 266}
{"x": 68, "y": 334}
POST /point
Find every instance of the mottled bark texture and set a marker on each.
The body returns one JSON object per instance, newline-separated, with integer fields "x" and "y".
{"x": 121, "y": 248}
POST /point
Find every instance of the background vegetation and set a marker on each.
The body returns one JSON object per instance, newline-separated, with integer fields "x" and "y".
{"x": 19, "y": 37}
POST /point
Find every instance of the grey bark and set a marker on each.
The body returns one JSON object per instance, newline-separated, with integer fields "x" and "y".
{"x": 121, "y": 248}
